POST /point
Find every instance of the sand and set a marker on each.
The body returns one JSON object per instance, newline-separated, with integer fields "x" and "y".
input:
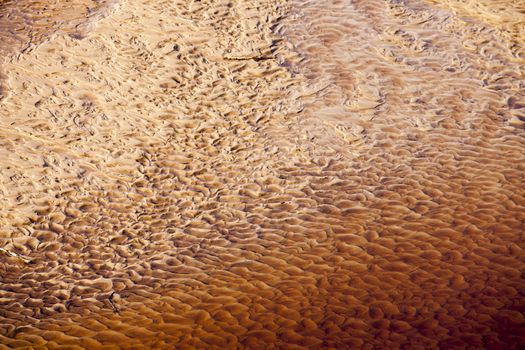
{"x": 263, "y": 175}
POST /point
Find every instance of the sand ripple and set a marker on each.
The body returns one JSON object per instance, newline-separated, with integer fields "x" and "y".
{"x": 180, "y": 176}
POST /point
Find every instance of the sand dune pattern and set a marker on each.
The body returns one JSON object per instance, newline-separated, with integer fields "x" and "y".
{"x": 262, "y": 175}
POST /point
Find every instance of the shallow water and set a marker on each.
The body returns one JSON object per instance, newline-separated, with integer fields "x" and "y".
{"x": 180, "y": 176}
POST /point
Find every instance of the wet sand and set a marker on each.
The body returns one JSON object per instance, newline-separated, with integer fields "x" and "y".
{"x": 260, "y": 175}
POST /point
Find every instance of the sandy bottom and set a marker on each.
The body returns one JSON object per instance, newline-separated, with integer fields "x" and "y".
{"x": 265, "y": 175}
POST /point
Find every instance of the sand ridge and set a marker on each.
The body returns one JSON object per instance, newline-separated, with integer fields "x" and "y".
{"x": 183, "y": 177}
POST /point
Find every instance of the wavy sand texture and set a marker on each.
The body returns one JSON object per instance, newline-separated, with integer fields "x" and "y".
{"x": 182, "y": 178}
{"x": 25, "y": 24}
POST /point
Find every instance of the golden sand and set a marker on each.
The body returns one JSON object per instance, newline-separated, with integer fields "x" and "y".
{"x": 263, "y": 175}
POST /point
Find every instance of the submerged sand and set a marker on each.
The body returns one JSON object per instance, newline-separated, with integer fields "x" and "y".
{"x": 264, "y": 174}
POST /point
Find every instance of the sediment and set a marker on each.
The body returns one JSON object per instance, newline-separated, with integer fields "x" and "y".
{"x": 216, "y": 174}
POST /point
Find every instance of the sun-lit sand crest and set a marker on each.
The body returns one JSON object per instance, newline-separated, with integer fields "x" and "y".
{"x": 259, "y": 175}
